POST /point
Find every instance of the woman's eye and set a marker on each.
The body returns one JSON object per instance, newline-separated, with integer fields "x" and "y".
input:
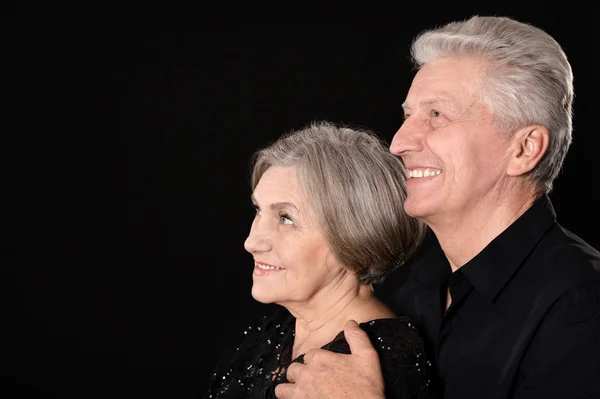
{"x": 285, "y": 219}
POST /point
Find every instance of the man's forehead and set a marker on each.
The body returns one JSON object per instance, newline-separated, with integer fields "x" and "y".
{"x": 432, "y": 98}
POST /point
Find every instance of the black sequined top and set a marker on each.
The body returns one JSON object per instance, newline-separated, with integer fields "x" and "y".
{"x": 258, "y": 364}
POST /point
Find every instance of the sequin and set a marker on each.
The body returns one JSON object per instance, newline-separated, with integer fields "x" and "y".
{"x": 260, "y": 361}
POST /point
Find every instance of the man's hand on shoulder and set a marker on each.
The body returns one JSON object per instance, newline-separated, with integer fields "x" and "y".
{"x": 331, "y": 375}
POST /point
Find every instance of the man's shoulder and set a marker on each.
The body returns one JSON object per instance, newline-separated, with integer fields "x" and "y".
{"x": 567, "y": 255}
{"x": 561, "y": 265}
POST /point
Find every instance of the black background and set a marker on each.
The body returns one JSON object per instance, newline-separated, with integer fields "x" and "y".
{"x": 128, "y": 185}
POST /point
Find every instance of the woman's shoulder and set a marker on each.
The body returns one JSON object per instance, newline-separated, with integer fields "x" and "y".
{"x": 397, "y": 333}
{"x": 403, "y": 357}
{"x": 393, "y": 334}
{"x": 406, "y": 368}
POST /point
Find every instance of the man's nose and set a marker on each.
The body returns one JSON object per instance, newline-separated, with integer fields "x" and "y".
{"x": 408, "y": 138}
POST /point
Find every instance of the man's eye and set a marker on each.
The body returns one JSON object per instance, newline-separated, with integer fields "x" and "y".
{"x": 435, "y": 113}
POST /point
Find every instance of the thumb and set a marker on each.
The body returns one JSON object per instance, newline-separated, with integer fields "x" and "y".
{"x": 358, "y": 340}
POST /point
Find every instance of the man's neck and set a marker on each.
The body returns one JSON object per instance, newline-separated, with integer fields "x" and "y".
{"x": 462, "y": 238}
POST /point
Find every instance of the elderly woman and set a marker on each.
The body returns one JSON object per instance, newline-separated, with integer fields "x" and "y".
{"x": 329, "y": 223}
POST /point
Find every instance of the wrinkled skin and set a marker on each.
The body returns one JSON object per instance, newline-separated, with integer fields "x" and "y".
{"x": 331, "y": 375}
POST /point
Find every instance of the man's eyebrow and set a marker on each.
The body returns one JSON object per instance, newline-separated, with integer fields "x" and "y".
{"x": 430, "y": 101}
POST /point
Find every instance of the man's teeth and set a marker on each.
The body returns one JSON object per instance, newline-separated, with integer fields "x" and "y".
{"x": 423, "y": 173}
{"x": 266, "y": 267}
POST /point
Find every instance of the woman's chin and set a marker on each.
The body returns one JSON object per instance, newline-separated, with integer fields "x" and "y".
{"x": 261, "y": 296}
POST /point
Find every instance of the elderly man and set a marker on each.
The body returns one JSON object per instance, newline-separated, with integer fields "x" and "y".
{"x": 509, "y": 300}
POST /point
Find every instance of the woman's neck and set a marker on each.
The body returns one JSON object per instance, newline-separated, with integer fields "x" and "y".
{"x": 319, "y": 325}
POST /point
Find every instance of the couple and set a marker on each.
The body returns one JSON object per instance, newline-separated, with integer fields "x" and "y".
{"x": 504, "y": 304}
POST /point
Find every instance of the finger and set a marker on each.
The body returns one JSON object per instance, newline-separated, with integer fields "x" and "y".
{"x": 284, "y": 391}
{"x": 292, "y": 371}
{"x": 309, "y": 356}
{"x": 358, "y": 340}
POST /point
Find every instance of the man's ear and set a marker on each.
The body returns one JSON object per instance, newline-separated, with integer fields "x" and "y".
{"x": 529, "y": 146}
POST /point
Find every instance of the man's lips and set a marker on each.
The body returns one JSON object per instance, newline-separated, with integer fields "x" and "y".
{"x": 422, "y": 172}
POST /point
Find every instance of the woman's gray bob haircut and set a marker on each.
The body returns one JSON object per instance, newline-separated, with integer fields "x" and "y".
{"x": 357, "y": 189}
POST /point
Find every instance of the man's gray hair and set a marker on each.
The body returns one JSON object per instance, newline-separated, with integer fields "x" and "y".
{"x": 528, "y": 79}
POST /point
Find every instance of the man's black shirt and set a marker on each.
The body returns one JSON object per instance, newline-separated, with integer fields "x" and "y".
{"x": 525, "y": 315}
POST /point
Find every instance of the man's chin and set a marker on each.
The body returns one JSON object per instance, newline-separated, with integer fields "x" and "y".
{"x": 417, "y": 208}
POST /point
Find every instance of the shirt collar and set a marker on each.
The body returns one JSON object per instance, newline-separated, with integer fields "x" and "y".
{"x": 490, "y": 270}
